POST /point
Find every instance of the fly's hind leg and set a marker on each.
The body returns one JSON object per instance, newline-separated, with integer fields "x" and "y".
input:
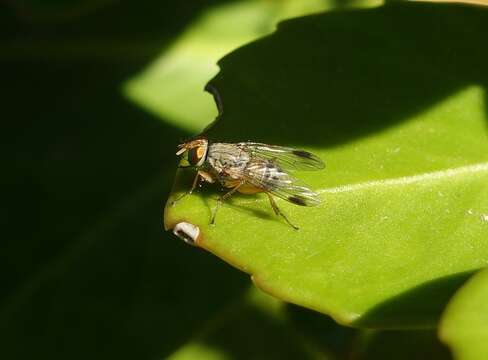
{"x": 221, "y": 199}
{"x": 278, "y": 211}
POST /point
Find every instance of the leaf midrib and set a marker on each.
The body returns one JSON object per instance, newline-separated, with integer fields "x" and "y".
{"x": 411, "y": 179}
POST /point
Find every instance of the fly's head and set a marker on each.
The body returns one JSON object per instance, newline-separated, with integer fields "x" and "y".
{"x": 193, "y": 153}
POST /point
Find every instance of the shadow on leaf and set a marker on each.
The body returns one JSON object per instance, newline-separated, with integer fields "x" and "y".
{"x": 421, "y": 306}
{"x": 326, "y": 79}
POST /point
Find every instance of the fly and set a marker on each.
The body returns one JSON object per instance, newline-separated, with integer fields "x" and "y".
{"x": 248, "y": 168}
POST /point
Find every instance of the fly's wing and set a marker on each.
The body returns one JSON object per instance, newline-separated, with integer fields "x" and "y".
{"x": 285, "y": 157}
{"x": 267, "y": 175}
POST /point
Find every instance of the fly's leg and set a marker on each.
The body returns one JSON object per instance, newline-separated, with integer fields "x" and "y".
{"x": 221, "y": 199}
{"x": 194, "y": 185}
{"x": 278, "y": 211}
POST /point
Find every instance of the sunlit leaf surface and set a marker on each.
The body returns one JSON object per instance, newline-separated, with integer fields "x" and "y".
{"x": 401, "y": 123}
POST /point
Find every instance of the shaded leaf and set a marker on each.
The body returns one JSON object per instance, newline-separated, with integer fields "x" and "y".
{"x": 254, "y": 327}
{"x": 406, "y": 344}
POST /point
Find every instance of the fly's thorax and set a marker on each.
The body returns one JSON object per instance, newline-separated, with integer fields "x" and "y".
{"x": 227, "y": 158}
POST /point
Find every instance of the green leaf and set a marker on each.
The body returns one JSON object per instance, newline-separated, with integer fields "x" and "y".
{"x": 172, "y": 86}
{"x": 87, "y": 271}
{"x": 464, "y": 325}
{"x": 400, "y": 121}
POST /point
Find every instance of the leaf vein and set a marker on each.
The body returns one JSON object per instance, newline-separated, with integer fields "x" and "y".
{"x": 407, "y": 180}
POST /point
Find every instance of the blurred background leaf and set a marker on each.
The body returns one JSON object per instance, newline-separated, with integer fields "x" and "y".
{"x": 464, "y": 324}
{"x": 397, "y": 344}
{"x": 172, "y": 86}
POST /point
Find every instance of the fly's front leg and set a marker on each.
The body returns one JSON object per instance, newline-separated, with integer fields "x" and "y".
{"x": 200, "y": 175}
{"x": 194, "y": 185}
{"x": 278, "y": 211}
{"x": 222, "y": 198}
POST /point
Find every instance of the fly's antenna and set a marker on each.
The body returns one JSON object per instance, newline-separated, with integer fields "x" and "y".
{"x": 180, "y": 149}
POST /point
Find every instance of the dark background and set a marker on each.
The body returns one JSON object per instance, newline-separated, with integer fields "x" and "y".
{"x": 86, "y": 268}
{"x": 87, "y": 271}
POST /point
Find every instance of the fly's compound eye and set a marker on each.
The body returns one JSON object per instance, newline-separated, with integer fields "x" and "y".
{"x": 196, "y": 155}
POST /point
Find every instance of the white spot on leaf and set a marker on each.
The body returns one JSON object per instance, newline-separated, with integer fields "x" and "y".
{"x": 187, "y": 232}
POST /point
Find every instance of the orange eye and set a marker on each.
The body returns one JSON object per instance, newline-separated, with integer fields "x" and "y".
{"x": 200, "y": 152}
{"x": 195, "y": 155}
